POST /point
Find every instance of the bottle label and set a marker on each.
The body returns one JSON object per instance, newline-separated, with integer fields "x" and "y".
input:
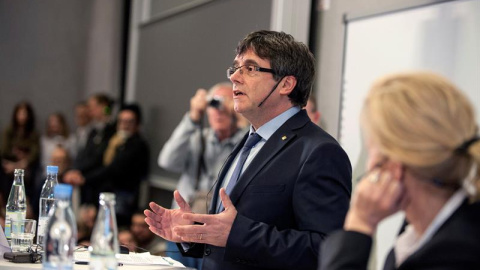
{"x": 8, "y": 218}
{"x": 42, "y": 226}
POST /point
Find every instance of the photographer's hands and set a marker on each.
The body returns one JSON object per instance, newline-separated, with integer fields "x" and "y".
{"x": 198, "y": 105}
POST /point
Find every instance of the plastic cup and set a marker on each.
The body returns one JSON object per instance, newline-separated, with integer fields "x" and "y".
{"x": 23, "y": 232}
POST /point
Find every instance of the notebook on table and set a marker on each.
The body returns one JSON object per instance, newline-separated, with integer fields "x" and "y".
{"x": 4, "y": 246}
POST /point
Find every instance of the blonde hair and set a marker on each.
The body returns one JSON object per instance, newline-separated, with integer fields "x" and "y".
{"x": 421, "y": 119}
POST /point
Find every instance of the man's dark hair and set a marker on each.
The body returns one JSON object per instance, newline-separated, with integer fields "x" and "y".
{"x": 104, "y": 100}
{"x": 287, "y": 58}
{"x": 135, "y": 108}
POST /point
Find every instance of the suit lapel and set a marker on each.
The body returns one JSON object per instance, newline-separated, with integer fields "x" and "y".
{"x": 223, "y": 172}
{"x": 273, "y": 147}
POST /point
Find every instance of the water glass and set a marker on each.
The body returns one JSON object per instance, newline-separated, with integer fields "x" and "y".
{"x": 23, "y": 232}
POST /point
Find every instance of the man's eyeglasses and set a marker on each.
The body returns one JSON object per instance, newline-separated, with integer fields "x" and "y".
{"x": 250, "y": 70}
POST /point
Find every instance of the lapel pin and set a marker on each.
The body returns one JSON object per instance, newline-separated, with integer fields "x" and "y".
{"x": 284, "y": 138}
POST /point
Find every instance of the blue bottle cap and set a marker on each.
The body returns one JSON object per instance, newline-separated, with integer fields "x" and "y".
{"x": 52, "y": 169}
{"x": 63, "y": 191}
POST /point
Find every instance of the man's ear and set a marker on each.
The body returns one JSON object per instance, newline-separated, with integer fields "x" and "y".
{"x": 287, "y": 85}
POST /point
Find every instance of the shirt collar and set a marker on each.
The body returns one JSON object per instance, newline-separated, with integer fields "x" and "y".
{"x": 267, "y": 130}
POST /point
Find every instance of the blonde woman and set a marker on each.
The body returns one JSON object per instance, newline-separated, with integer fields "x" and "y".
{"x": 424, "y": 159}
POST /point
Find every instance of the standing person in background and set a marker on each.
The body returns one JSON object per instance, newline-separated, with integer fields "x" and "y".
{"x": 424, "y": 159}
{"x": 20, "y": 148}
{"x": 312, "y": 110}
{"x": 124, "y": 166}
{"x": 198, "y": 152}
{"x": 91, "y": 157}
{"x": 83, "y": 127}
{"x": 57, "y": 136}
{"x": 284, "y": 188}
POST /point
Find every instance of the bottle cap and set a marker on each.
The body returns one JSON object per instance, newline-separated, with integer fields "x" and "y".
{"x": 63, "y": 190}
{"x": 19, "y": 172}
{"x": 52, "y": 169}
{"x": 107, "y": 196}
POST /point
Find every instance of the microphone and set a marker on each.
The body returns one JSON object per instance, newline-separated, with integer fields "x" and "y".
{"x": 271, "y": 91}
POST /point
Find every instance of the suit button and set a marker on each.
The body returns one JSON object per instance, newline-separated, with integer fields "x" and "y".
{"x": 207, "y": 251}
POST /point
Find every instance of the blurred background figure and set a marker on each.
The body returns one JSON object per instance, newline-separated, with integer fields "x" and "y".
{"x": 59, "y": 157}
{"x": 85, "y": 222}
{"x": 312, "y": 110}
{"x": 20, "y": 149}
{"x": 146, "y": 240}
{"x": 124, "y": 165}
{"x": 90, "y": 158}
{"x": 57, "y": 134}
{"x": 126, "y": 239}
{"x": 423, "y": 159}
{"x": 198, "y": 152}
{"x": 82, "y": 122}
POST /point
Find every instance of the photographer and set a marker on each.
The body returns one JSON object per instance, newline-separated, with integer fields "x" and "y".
{"x": 199, "y": 152}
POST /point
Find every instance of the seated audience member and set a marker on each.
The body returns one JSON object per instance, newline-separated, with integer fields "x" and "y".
{"x": 424, "y": 159}
{"x": 20, "y": 148}
{"x": 90, "y": 158}
{"x": 85, "y": 223}
{"x": 125, "y": 238}
{"x": 125, "y": 164}
{"x": 60, "y": 158}
{"x": 312, "y": 110}
{"x": 146, "y": 240}
{"x": 57, "y": 134}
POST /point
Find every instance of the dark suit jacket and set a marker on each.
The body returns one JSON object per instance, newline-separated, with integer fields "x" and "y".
{"x": 90, "y": 158}
{"x": 127, "y": 169}
{"x": 294, "y": 192}
{"x": 123, "y": 175}
{"x": 456, "y": 245}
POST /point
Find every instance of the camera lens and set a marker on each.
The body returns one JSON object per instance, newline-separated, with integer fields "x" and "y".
{"x": 215, "y": 102}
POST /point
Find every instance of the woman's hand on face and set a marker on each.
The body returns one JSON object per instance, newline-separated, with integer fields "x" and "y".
{"x": 377, "y": 196}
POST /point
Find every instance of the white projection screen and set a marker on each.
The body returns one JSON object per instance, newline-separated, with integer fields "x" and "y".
{"x": 442, "y": 37}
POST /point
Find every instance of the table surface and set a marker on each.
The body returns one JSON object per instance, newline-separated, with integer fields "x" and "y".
{"x": 27, "y": 266}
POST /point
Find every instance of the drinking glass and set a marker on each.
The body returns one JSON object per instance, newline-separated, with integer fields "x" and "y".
{"x": 23, "y": 232}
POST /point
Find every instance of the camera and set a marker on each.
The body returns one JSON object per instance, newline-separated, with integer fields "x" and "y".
{"x": 216, "y": 102}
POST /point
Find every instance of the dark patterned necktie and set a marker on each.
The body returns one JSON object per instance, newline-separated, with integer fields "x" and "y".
{"x": 252, "y": 140}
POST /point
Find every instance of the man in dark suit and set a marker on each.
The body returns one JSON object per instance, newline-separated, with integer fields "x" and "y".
{"x": 295, "y": 184}
{"x": 124, "y": 164}
{"x": 90, "y": 158}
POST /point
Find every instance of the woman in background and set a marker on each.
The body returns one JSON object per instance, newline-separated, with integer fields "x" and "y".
{"x": 20, "y": 147}
{"x": 57, "y": 134}
{"x": 424, "y": 159}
